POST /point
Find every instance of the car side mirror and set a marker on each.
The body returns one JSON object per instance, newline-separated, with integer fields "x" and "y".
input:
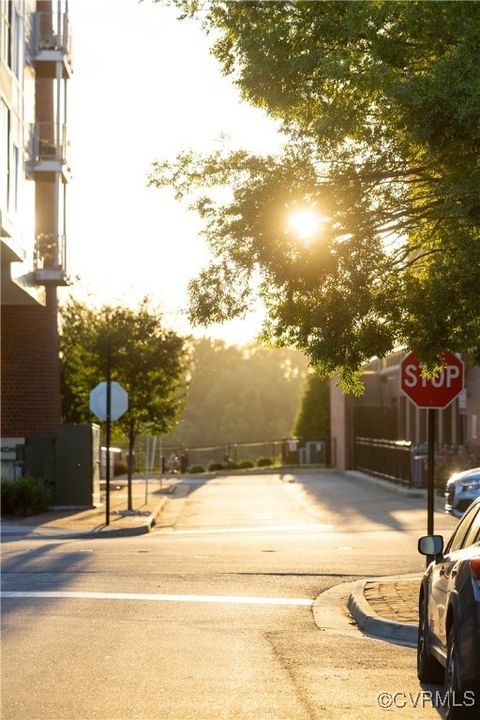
{"x": 431, "y": 545}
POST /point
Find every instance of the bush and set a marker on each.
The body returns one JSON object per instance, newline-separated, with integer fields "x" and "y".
{"x": 214, "y": 466}
{"x": 264, "y": 462}
{"x": 27, "y": 496}
{"x": 245, "y": 464}
{"x": 8, "y": 497}
{"x": 230, "y": 465}
{"x": 196, "y": 469}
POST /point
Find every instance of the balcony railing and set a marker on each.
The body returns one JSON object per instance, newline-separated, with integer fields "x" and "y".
{"x": 50, "y": 32}
{"x": 50, "y": 252}
{"x": 50, "y": 259}
{"x": 47, "y": 142}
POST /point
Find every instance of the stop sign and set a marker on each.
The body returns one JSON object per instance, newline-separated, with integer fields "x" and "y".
{"x": 118, "y": 400}
{"x": 437, "y": 392}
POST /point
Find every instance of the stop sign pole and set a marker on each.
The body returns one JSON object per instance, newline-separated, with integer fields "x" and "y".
{"x": 108, "y": 431}
{"x": 431, "y": 394}
{"x": 109, "y": 401}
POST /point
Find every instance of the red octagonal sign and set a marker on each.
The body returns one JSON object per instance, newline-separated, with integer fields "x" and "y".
{"x": 437, "y": 392}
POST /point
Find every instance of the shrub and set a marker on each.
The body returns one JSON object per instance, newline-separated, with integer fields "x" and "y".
{"x": 264, "y": 462}
{"x": 196, "y": 469}
{"x": 214, "y": 466}
{"x": 230, "y": 465}
{"x": 245, "y": 464}
{"x": 27, "y": 496}
{"x": 8, "y": 497}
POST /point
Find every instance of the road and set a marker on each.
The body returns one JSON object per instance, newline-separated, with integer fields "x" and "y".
{"x": 210, "y": 616}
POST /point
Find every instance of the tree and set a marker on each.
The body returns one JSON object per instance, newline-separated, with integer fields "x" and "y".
{"x": 379, "y": 103}
{"x": 148, "y": 360}
{"x": 313, "y": 419}
{"x": 239, "y": 394}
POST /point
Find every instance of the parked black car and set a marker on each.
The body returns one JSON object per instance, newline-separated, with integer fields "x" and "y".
{"x": 449, "y": 616}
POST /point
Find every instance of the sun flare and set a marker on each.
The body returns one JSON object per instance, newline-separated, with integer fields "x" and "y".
{"x": 305, "y": 223}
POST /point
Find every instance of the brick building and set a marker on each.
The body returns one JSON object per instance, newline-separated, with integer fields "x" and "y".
{"x": 384, "y": 412}
{"x": 35, "y": 66}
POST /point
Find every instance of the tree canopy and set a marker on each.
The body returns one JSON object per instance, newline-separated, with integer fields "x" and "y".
{"x": 148, "y": 360}
{"x": 379, "y": 103}
{"x": 239, "y": 394}
{"x": 313, "y": 419}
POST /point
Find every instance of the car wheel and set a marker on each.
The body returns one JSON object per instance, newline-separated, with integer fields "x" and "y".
{"x": 428, "y": 668}
{"x": 458, "y": 700}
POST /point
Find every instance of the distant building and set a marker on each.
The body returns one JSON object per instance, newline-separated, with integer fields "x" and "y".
{"x": 35, "y": 66}
{"x": 384, "y": 412}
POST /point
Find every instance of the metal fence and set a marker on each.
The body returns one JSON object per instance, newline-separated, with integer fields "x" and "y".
{"x": 405, "y": 462}
{"x": 153, "y": 453}
{"x": 389, "y": 459}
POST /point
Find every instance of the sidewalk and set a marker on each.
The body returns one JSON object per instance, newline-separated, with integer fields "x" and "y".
{"x": 70, "y": 522}
{"x": 387, "y": 608}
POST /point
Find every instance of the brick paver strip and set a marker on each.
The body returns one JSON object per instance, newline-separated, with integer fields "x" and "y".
{"x": 394, "y": 600}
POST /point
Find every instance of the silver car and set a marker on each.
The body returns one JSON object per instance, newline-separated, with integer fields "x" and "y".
{"x": 462, "y": 489}
{"x": 449, "y": 617}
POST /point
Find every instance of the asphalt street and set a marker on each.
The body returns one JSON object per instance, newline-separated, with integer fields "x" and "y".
{"x": 210, "y": 615}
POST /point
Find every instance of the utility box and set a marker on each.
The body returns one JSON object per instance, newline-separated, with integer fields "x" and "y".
{"x": 77, "y": 476}
{"x": 39, "y": 458}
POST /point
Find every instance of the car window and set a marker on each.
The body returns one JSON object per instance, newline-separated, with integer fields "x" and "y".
{"x": 473, "y": 531}
{"x": 456, "y": 541}
{"x": 472, "y": 478}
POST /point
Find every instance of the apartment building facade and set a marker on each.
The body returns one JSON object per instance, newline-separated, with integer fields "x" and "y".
{"x": 384, "y": 412}
{"x": 35, "y": 67}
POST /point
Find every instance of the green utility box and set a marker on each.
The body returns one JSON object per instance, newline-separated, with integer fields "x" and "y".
{"x": 77, "y": 471}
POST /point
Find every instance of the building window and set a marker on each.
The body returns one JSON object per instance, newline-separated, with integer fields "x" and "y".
{"x": 16, "y": 179}
{"x": 17, "y": 49}
{"x": 4, "y": 155}
{"x": 6, "y": 13}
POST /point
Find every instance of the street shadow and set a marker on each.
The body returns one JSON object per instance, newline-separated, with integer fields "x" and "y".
{"x": 356, "y": 499}
{"x": 36, "y": 569}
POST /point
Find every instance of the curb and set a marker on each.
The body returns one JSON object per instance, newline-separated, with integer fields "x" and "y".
{"x": 104, "y": 531}
{"x": 373, "y": 625}
{"x": 330, "y": 611}
{"x": 141, "y": 529}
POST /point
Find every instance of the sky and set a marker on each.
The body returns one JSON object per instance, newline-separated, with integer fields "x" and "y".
{"x": 145, "y": 87}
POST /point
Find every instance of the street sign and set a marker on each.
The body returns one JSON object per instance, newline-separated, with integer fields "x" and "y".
{"x": 437, "y": 392}
{"x": 98, "y": 401}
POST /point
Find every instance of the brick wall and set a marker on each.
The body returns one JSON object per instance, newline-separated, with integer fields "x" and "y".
{"x": 30, "y": 369}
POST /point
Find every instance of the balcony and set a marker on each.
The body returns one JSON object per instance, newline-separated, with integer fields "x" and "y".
{"x": 47, "y": 150}
{"x": 50, "y": 44}
{"x": 50, "y": 260}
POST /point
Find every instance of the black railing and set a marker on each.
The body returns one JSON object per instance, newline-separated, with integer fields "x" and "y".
{"x": 388, "y": 459}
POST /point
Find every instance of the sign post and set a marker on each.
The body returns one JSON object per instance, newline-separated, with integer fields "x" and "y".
{"x": 431, "y": 394}
{"x": 108, "y": 401}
